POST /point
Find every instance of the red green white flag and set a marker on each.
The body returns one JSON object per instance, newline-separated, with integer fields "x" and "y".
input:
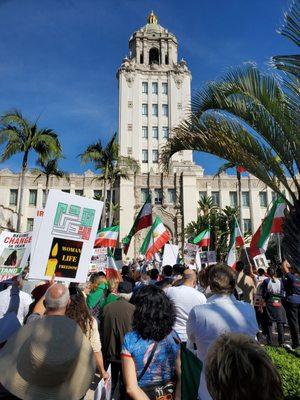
{"x": 236, "y": 240}
{"x": 142, "y": 221}
{"x": 111, "y": 271}
{"x": 107, "y": 237}
{"x": 271, "y": 224}
{"x": 156, "y": 238}
{"x": 203, "y": 239}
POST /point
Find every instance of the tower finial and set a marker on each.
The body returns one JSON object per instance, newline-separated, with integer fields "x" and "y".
{"x": 152, "y": 18}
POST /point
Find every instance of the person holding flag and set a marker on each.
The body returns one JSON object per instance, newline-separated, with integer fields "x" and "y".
{"x": 236, "y": 240}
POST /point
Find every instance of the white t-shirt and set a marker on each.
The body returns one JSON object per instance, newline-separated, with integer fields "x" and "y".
{"x": 185, "y": 298}
{"x": 14, "y": 300}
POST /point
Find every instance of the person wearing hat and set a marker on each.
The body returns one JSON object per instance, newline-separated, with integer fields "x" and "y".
{"x": 117, "y": 320}
{"x": 48, "y": 359}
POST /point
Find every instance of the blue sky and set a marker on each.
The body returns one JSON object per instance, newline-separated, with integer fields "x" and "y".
{"x": 58, "y": 58}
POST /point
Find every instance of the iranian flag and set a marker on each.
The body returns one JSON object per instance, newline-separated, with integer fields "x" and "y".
{"x": 203, "y": 239}
{"x": 236, "y": 240}
{"x": 271, "y": 224}
{"x": 143, "y": 220}
{"x": 107, "y": 237}
{"x": 111, "y": 271}
{"x": 156, "y": 238}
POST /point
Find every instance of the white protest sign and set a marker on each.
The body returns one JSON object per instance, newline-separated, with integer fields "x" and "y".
{"x": 170, "y": 254}
{"x": 98, "y": 260}
{"x": 36, "y": 228}
{"x": 14, "y": 252}
{"x": 103, "y": 390}
{"x": 65, "y": 242}
{"x": 189, "y": 252}
{"x": 261, "y": 261}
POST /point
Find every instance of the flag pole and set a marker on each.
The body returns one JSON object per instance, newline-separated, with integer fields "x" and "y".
{"x": 279, "y": 247}
{"x": 244, "y": 247}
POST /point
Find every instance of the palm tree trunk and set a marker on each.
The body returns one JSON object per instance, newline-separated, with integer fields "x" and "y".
{"x": 24, "y": 168}
{"x": 111, "y": 202}
{"x": 103, "y": 219}
{"x": 238, "y": 175}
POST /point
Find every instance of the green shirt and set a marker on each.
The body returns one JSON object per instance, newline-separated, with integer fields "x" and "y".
{"x": 111, "y": 298}
{"x": 97, "y": 296}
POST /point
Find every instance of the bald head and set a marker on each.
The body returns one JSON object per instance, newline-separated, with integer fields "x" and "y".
{"x": 189, "y": 277}
{"x": 57, "y": 297}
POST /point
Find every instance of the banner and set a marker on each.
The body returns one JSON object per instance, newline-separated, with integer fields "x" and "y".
{"x": 189, "y": 253}
{"x": 98, "y": 260}
{"x": 14, "y": 253}
{"x": 36, "y": 228}
{"x": 65, "y": 241}
{"x": 170, "y": 254}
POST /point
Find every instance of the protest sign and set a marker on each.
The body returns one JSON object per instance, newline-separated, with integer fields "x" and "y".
{"x": 208, "y": 257}
{"x": 14, "y": 252}
{"x": 65, "y": 242}
{"x": 261, "y": 261}
{"x": 36, "y": 228}
{"x": 170, "y": 254}
{"x": 103, "y": 390}
{"x": 189, "y": 253}
{"x": 98, "y": 260}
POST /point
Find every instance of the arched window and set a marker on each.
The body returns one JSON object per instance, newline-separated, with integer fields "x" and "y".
{"x": 153, "y": 56}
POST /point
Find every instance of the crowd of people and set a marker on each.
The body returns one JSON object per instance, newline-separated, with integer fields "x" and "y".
{"x": 53, "y": 337}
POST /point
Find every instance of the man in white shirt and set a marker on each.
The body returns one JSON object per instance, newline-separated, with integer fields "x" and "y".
{"x": 14, "y": 300}
{"x": 185, "y": 297}
{"x": 222, "y": 313}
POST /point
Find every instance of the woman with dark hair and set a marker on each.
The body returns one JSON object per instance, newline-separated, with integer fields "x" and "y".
{"x": 78, "y": 311}
{"x": 273, "y": 293}
{"x": 150, "y": 353}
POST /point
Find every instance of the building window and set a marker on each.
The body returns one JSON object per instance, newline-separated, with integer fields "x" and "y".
{"x": 141, "y": 58}
{"x": 179, "y": 106}
{"x": 129, "y": 127}
{"x": 155, "y": 132}
{"x": 32, "y": 197}
{"x": 155, "y": 156}
{"x": 172, "y": 196}
{"x": 245, "y": 199}
{"x": 145, "y": 109}
{"x": 79, "y": 192}
{"x": 145, "y": 132}
{"x": 97, "y": 194}
{"x": 165, "y": 110}
{"x": 65, "y": 190}
{"x": 144, "y": 156}
{"x": 155, "y": 110}
{"x": 129, "y": 151}
{"x": 263, "y": 199}
{"x": 44, "y": 198}
{"x": 13, "y": 197}
{"x": 164, "y": 88}
{"x": 215, "y": 196}
{"x": 233, "y": 199}
{"x": 144, "y": 195}
{"x": 145, "y": 87}
{"x": 202, "y": 195}
{"x": 29, "y": 224}
{"x": 130, "y": 104}
{"x": 247, "y": 225}
{"x": 154, "y": 56}
{"x": 165, "y": 132}
{"x": 158, "y": 196}
{"x": 166, "y": 59}
{"x": 154, "y": 87}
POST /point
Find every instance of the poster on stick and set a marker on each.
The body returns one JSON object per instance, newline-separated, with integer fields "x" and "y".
{"x": 189, "y": 253}
{"x": 170, "y": 254}
{"x": 65, "y": 241}
{"x": 14, "y": 253}
{"x": 98, "y": 260}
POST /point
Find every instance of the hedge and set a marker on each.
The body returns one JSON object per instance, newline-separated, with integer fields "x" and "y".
{"x": 288, "y": 365}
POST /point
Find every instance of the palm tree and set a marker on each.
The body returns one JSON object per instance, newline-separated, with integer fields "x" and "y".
{"x": 111, "y": 164}
{"x": 21, "y": 136}
{"x": 50, "y": 168}
{"x": 251, "y": 119}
